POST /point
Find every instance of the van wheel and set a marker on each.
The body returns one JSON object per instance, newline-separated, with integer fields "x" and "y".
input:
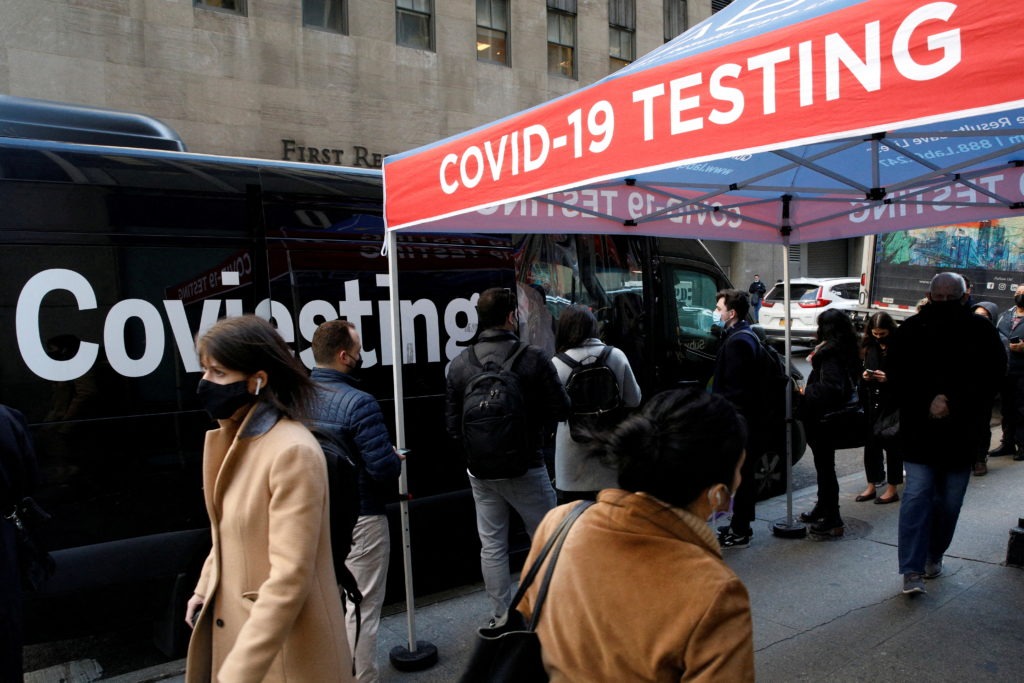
{"x": 770, "y": 474}
{"x": 770, "y": 469}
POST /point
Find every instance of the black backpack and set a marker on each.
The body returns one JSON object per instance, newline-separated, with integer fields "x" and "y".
{"x": 594, "y": 393}
{"x": 343, "y": 495}
{"x": 495, "y": 429}
{"x": 773, "y": 383}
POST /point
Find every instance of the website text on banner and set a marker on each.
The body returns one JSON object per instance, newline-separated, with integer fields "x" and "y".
{"x": 871, "y": 66}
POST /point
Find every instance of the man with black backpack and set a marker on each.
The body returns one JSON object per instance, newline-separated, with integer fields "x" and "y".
{"x": 501, "y": 395}
{"x": 356, "y": 424}
{"x": 738, "y": 378}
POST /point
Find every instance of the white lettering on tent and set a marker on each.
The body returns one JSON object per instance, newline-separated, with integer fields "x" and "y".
{"x": 766, "y": 63}
{"x": 947, "y": 42}
{"x": 867, "y": 71}
{"x": 846, "y": 58}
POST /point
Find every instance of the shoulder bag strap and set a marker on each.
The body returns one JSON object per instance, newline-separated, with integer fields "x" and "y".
{"x": 554, "y": 543}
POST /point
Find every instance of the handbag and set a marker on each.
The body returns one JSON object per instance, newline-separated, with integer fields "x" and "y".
{"x": 35, "y": 564}
{"x": 511, "y": 653}
{"x": 886, "y": 425}
{"x": 847, "y": 426}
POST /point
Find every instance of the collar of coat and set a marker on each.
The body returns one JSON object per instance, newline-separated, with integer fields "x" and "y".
{"x": 260, "y": 419}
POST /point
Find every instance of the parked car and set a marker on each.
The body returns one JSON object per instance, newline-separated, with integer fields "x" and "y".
{"x": 809, "y": 298}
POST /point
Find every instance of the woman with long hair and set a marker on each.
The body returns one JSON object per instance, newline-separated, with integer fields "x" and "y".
{"x": 266, "y": 607}
{"x": 578, "y": 477}
{"x": 640, "y": 591}
{"x": 879, "y": 469}
{"x": 835, "y": 362}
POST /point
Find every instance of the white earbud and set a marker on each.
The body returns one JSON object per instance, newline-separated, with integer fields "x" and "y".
{"x": 259, "y": 383}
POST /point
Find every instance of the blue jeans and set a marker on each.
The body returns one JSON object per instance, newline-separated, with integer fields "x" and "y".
{"x": 929, "y": 511}
{"x": 532, "y": 496}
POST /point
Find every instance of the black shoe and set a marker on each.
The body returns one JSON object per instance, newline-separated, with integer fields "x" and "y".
{"x": 811, "y": 517}
{"x": 1004, "y": 449}
{"x": 831, "y": 526}
{"x": 734, "y": 539}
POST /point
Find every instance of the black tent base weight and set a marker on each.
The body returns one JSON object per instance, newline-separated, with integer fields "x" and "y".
{"x": 789, "y": 529}
{"x": 423, "y": 657}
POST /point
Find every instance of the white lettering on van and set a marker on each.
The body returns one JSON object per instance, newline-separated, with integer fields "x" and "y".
{"x": 459, "y": 320}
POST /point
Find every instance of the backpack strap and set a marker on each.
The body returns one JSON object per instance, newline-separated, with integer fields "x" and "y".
{"x": 567, "y": 359}
{"x": 602, "y": 358}
{"x": 513, "y": 356}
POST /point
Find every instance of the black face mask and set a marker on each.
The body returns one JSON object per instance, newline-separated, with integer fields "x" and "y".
{"x": 221, "y": 401}
{"x": 1019, "y": 300}
{"x": 948, "y": 306}
{"x": 357, "y": 363}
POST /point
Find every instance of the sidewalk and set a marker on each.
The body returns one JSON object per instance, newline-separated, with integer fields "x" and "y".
{"x": 826, "y": 610}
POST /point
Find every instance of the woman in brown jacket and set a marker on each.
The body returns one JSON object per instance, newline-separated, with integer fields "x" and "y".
{"x": 266, "y": 607}
{"x": 640, "y": 591}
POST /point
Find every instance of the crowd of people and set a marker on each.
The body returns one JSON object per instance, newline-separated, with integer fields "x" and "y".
{"x": 267, "y": 605}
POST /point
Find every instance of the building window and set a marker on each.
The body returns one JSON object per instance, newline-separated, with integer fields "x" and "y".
{"x": 675, "y": 18}
{"x": 719, "y": 5}
{"x": 414, "y": 21}
{"x": 235, "y": 6}
{"x": 330, "y": 15}
{"x": 621, "y": 33}
{"x": 562, "y": 37}
{"x": 492, "y": 31}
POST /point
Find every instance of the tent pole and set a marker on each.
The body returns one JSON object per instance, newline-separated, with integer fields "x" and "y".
{"x": 788, "y": 528}
{"x": 419, "y": 654}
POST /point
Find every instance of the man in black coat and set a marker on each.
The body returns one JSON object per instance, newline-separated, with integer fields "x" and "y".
{"x": 756, "y": 290}
{"x": 946, "y": 365}
{"x": 546, "y": 402}
{"x": 738, "y": 378}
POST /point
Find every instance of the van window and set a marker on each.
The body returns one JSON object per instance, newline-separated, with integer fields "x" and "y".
{"x": 599, "y": 271}
{"x": 695, "y": 303}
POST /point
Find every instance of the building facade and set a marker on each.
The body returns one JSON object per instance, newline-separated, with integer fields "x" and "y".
{"x": 324, "y": 81}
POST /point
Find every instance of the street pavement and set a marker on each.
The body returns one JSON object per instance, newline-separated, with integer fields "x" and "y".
{"x": 822, "y": 610}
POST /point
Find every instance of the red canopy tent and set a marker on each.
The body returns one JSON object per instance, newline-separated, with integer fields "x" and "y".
{"x": 774, "y": 121}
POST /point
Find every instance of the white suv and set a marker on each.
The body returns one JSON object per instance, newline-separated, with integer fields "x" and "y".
{"x": 809, "y": 298}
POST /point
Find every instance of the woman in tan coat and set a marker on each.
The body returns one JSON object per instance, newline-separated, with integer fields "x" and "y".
{"x": 640, "y": 591}
{"x": 266, "y": 607}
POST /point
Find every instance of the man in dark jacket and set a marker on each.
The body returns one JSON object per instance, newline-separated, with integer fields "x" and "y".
{"x": 1012, "y": 390}
{"x": 17, "y": 478}
{"x": 737, "y": 378}
{"x": 946, "y": 365}
{"x": 756, "y": 290}
{"x": 531, "y": 494}
{"x": 356, "y": 417}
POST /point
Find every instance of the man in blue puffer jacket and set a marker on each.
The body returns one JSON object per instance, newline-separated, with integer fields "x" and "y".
{"x": 356, "y": 417}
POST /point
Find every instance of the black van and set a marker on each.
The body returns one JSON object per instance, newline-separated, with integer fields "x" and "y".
{"x": 113, "y": 259}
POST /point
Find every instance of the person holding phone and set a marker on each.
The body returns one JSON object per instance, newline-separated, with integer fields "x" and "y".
{"x": 1011, "y": 390}
{"x": 880, "y": 470}
{"x": 266, "y": 606}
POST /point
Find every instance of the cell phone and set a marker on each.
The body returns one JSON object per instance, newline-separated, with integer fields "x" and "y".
{"x": 195, "y": 617}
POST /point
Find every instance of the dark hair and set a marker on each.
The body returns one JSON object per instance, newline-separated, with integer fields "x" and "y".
{"x": 330, "y": 338}
{"x": 836, "y": 328}
{"x": 249, "y": 344}
{"x": 881, "y": 321}
{"x": 493, "y": 307}
{"x": 576, "y": 324}
{"x": 735, "y": 300}
{"x": 682, "y": 442}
